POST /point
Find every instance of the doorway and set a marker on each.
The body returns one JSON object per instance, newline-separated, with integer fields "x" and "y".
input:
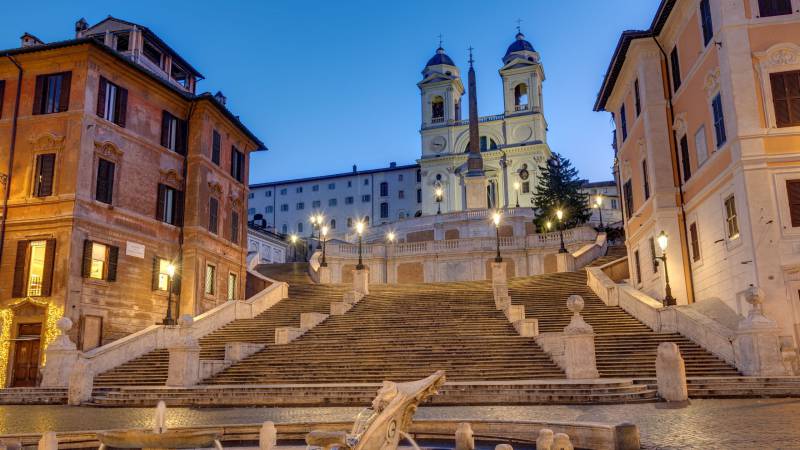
{"x": 26, "y": 355}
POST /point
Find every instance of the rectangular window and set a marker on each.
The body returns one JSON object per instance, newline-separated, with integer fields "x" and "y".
{"x": 636, "y": 98}
{"x": 300, "y": 206}
{"x": 332, "y": 202}
{"x": 216, "y": 143}
{"x": 686, "y": 163}
{"x": 365, "y": 198}
{"x": 366, "y": 181}
{"x": 675, "y": 69}
{"x": 419, "y": 176}
{"x": 348, "y": 200}
{"x": 526, "y": 187}
{"x": 793, "y": 191}
{"x": 112, "y": 102}
{"x": 769, "y": 8}
{"x": 285, "y": 207}
{"x": 701, "y": 149}
{"x": 99, "y": 261}
{"x": 51, "y": 94}
{"x": 298, "y": 189}
{"x": 646, "y": 180}
{"x": 104, "y": 191}
{"x": 160, "y": 274}
{"x": 419, "y": 195}
{"x": 401, "y": 194}
{"x": 152, "y": 53}
{"x": 623, "y": 123}
{"x": 331, "y": 186}
{"x": 349, "y": 183}
{"x": 637, "y": 266}
{"x": 705, "y": 21}
{"x": 38, "y": 251}
{"x": 173, "y": 133}
{"x": 316, "y": 204}
{"x": 283, "y": 191}
{"x": 299, "y": 227}
{"x": 234, "y": 227}
{"x": 267, "y": 193}
{"x": 613, "y": 203}
{"x": 654, "y": 261}
{"x": 45, "y": 171}
{"x": 731, "y": 219}
{"x": 719, "y": 120}
{"x": 384, "y": 210}
{"x": 627, "y": 192}
{"x": 315, "y": 188}
{"x": 211, "y": 278}
{"x": 384, "y": 189}
{"x": 786, "y": 98}
{"x": 268, "y": 209}
{"x": 169, "y": 206}
{"x": 400, "y": 177}
{"x": 695, "y": 241}
{"x": 213, "y": 214}
{"x": 237, "y": 164}
{"x": 33, "y": 268}
{"x": 122, "y": 42}
{"x": 231, "y": 286}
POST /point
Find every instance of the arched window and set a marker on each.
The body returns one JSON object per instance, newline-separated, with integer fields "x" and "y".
{"x": 521, "y": 96}
{"x": 349, "y": 222}
{"x": 284, "y": 229}
{"x": 437, "y": 109}
{"x": 299, "y": 227}
{"x": 333, "y": 224}
{"x": 486, "y": 143}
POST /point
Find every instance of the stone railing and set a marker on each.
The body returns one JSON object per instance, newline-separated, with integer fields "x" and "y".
{"x": 589, "y": 252}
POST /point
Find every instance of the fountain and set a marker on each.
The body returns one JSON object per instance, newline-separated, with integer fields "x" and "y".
{"x": 160, "y": 437}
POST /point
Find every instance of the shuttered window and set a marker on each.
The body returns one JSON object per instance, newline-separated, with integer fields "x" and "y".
{"x": 637, "y": 266}
{"x": 216, "y": 141}
{"x": 623, "y": 123}
{"x": 169, "y": 207}
{"x": 793, "y": 191}
{"x": 768, "y": 8}
{"x": 231, "y": 286}
{"x": 237, "y": 164}
{"x": 786, "y": 97}
{"x": 731, "y": 218}
{"x": 654, "y": 261}
{"x": 33, "y": 268}
{"x": 213, "y": 214}
{"x": 104, "y": 191}
{"x": 234, "y": 227}
{"x": 112, "y": 102}
{"x": 99, "y": 261}
{"x": 173, "y": 133}
{"x": 45, "y": 170}
{"x": 695, "y": 241}
{"x": 636, "y": 98}
{"x": 51, "y": 93}
{"x": 675, "y": 69}
{"x": 211, "y": 279}
{"x": 646, "y": 180}
{"x": 685, "y": 161}
{"x": 705, "y": 21}
{"x": 719, "y": 121}
{"x": 627, "y": 192}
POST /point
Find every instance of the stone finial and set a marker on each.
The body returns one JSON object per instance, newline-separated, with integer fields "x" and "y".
{"x": 464, "y": 437}
{"x": 503, "y": 447}
{"x": 671, "y": 373}
{"x": 49, "y": 441}
{"x": 575, "y": 304}
{"x": 545, "y": 439}
{"x": 64, "y": 324}
{"x": 577, "y": 325}
{"x": 267, "y": 436}
{"x": 561, "y": 442}
{"x": 62, "y": 341}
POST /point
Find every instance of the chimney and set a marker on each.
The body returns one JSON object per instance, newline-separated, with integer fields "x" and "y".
{"x": 392, "y": 165}
{"x": 221, "y": 97}
{"x": 29, "y": 40}
{"x": 80, "y": 26}
{"x": 355, "y": 168}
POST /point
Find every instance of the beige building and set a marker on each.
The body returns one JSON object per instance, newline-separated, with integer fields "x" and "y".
{"x": 708, "y": 150}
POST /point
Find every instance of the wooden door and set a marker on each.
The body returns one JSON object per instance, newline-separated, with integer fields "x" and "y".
{"x": 26, "y": 355}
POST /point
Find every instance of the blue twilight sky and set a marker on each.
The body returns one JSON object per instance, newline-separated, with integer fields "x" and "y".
{"x": 328, "y": 84}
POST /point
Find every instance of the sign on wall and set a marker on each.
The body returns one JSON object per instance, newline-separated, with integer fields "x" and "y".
{"x": 134, "y": 249}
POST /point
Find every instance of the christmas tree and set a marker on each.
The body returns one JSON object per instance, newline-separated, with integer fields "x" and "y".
{"x": 559, "y": 188}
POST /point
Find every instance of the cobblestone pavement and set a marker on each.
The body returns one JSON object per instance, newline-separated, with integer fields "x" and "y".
{"x": 705, "y": 424}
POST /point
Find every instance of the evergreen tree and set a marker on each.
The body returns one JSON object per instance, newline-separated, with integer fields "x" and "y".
{"x": 559, "y": 187}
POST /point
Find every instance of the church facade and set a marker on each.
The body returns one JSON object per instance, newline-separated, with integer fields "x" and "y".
{"x": 513, "y": 144}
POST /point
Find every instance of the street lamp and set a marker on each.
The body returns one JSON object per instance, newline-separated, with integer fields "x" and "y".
{"x": 324, "y": 233}
{"x": 663, "y": 240}
{"x": 560, "y": 216}
{"x": 360, "y": 231}
{"x": 390, "y": 237}
{"x": 168, "y": 320}
{"x": 548, "y": 225}
{"x": 517, "y": 186}
{"x": 598, "y": 202}
{"x": 316, "y": 222}
{"x": 496, "y": 219}
{"x": 293, "y": 240}
{"x": 439, "y": 193}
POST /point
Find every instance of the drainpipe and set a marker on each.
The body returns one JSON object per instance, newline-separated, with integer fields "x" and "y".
{"x": 12, "y": 146}
{"x": 674, "y": 150}
{"x": 184, "y": 169}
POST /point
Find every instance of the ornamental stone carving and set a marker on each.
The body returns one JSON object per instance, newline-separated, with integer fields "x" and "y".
{"x": 47, "y": 142}
{"x": 711, "y": 83}
{"x": 108, "y": 150}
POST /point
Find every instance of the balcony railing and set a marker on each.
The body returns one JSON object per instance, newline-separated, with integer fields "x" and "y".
{"x": 521, "y": 107}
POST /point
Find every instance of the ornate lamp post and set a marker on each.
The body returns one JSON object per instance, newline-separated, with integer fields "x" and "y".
{"x": 439, "y": 194}
{"x": 663, "y": 240}
{"x": 560, "y": 216}
{"x": 496, "y": 219}
{"x": 324, "y": 234}
{"x": 517, "y": 187}
{"x": 390, "y": 237}
{"x": 168, "y": 319}
{"x": 293, "y": 240}
{"x": 360, "y": 231}
{"x": 598, "y": 202}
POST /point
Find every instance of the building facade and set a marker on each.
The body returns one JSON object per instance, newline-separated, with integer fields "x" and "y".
{"x": 603, "y": 199}
{"x": 113, "y": 168}
{"x": 265, "y": 247}
{"x": 708, "y": 151}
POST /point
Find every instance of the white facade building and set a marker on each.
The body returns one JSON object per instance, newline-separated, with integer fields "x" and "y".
{"x": 265, "y": 247}
{"x": 610, "y": 207}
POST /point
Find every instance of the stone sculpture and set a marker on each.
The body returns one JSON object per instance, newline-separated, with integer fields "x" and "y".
{"x": 757, "y": 343}
{"x": 671, "y": 373}
{"x": 381, "y": 426}
{"x": 545, "y": 439}
{"x": 561, "y": 442}
{"x": 464, "y": 437}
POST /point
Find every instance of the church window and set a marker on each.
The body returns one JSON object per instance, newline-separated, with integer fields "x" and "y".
{"x": 486, "y": 143}
{"x": 526, "y": 187}
{"x": 437, "y": 109}
{"x": 521, "y": 96}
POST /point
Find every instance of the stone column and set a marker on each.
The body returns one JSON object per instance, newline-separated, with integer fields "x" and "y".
{"x": 61, "y": 356}
{"x": 757, "y": 345}
{"x": 671, "y": 373}
{"x": 184, "y": 357}
{"x": 500, "y": 284}
{"x": 579, "y": 357}
{"x": 361, "y": 281}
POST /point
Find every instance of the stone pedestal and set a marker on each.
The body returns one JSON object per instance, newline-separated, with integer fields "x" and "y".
{"x": 499, "y": 274}
{"x": 324, "y": 275}
{"x": 476, "y": 192}
{"x": 184, "y": 365}
{"x": 464, "y": 437}
{"x": 527, "y": 327}
{"x": 81, "y": 383}
{"x": 565, "y": 262}
{"x": 49, "y": 441}
{"x": 514, "y": 313}
{"x": 579, "y": 356}
{"x": 61, "y": 356}
{"x": 361, "y": 281}
{"x": 311, "y": 319}
{"x": 671, "y": 373}
{"x": 267, "y": 436}
{"x": 757, "y": 344}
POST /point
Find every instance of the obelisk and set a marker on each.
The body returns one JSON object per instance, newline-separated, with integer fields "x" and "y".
{"x": 475, "y": 180}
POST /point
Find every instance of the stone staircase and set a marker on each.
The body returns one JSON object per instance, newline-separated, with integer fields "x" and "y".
{"x": 613, "y": 253}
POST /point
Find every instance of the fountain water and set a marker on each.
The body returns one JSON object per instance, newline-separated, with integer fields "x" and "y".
{"x": 160, "y": 418}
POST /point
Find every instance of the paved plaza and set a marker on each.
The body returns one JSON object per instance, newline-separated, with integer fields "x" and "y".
{"x": 705, "y": 424}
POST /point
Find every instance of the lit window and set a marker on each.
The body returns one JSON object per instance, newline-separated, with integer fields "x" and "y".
{"x": 231, "y": 286}
{"x": 211, "y": 272}
{"x": 38, "y": 250}
{"x": 731, "y": 219}
{"x": 163, "y": 274}
{"x": 98, "y": 263}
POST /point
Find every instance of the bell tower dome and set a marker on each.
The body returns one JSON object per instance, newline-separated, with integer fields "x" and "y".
{"x": 441, "y": 90}
{"x": 522, "y": 77}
